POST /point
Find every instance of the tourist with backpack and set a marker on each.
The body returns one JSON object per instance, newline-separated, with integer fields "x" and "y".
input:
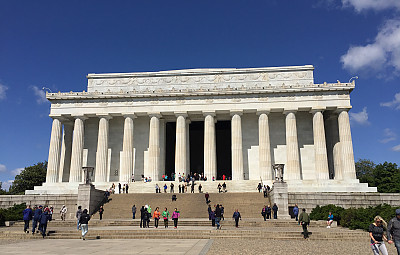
{"x": 84, "y": 221}
{"x": 27, "y": 216}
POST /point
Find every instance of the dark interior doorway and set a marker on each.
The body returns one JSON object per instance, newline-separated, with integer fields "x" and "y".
{"x": 170, "y": 132}
{"x": 224, "y": 156}
{"x": 196, "y": 141}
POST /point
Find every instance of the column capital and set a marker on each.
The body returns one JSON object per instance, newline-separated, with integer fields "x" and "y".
{"x": 206, "y": 113}
{"x": 317, "y": 109}
{"x": 105, "y": 116}
{"x": 81, "y": 117}
{"x": 183, "y": 114}
{"x": 290, "y": 110}
{"x": 130, "y": 115}
{"x": 154, "y": 114}
{"x": 236, "y": 112}
{"x": 263, "y": 111}
{"x": 59, "y": 117}
{"x": 343, "y": 108}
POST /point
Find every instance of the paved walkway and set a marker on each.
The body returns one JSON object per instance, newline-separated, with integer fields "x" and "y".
{"x": 104, "y": 246}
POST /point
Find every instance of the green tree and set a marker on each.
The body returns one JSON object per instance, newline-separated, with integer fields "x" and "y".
{"x": 30, "y": 177}
{"x": 387, "y": 178}
{"x": 364, "y": 170}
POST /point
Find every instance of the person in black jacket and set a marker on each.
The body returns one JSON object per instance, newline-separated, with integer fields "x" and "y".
{"x": 268, "y": 212}
{"x": 275, "y": 210}
{"x": 84, "y": 221}
{"x": 142, "y": 214}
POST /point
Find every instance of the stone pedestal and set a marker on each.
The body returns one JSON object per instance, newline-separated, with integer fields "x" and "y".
{"x": 279, "y": 195}
{"x": 90, "y": 198}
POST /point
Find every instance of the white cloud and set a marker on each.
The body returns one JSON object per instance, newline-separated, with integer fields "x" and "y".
{"x": 360, "y": 118}
{"x": 388, "y": 135}
{"x": 40, "y": 95}
{"x": 3, "y": 168}
{"x": 383, "y": 53}
{"x": 17, "y": 171}
{"x": 3, "y": 89}
{"x": 6, "y": 185}
{"x": 376, "y": 5}
{"x": 396, "y": 148}
{"x": 395, "y": 103}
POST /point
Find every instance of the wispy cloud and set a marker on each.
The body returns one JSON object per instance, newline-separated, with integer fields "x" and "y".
{"x": 395, "y": 103}
{"x": 7, "y": 184}
{"x": 389, "y": 135}
{"x": 360, "y": 118}
{"x": 383, "y": 53}
{"x": 3, "y": 168}
{"x": 376, "y": 5}
{"x": 40, "y": 95}
{"x": 396, "y": 148}
{"x": 3, "y": 90}
{"x": 17, "y": 171}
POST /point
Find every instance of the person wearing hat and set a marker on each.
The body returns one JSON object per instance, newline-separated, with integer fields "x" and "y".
{"x": 393, "y": 231}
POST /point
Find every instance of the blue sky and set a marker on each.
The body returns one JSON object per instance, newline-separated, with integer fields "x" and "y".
{"x": 55, "y": 44}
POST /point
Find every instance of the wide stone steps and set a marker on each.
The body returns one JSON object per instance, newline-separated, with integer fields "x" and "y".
{"x": 170, "y": 233}
{"x": 189, "y": 205}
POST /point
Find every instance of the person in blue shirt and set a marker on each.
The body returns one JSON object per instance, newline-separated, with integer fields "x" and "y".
{"x": 236, "y": 216}
{"x": 27, "y": 216}
{"x": 36, "y": 218}
{"x": 44, "y": 218}
{"x": 296, "y": 212}
{"x": 330, "y": 220}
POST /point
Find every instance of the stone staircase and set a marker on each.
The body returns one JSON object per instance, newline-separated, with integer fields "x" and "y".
{"x": 189, "y": 205}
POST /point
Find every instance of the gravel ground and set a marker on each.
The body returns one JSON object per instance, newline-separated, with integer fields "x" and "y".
{"x": 10, "y": 241}
{"x": 303, "y": 247}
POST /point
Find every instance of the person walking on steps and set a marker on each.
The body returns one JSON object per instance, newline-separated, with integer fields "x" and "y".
{"x": 27, "y": 216}
{"x": 63, "y": 212}
{"x": 133, "y": 211}
{"x": 377, "y": 233}
{"x": 264, "y": 212}
{"x": 175, "y": 217}
{"x": 84, "y": 221}
{"x": 36, "y": 218}
{"x": 156, "y": 217}
{"x": 393, "y": 231}
{"x": 236, "y": 216}
{"x": 296, "y": 212}
{"x": 78, "y": 217}
{"x": 44, "y": 218}
{"x": 142, "y": 214}
{"x": 269, "y": 210}
{"x": 101, "y": 211}
{"x": 304, "y": 220}
{"x": 165, "y": 215}
{"x": 275, "y": 210}
{"x": 218, "y": 217}
{"x": 219, "y": 187}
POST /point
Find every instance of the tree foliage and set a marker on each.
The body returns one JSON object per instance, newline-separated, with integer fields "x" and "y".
{"x": 354, "y": 218}
{"x": 30, "y": 177}
{"x": 386, "y": 176}
{"x": 12, "y": 214}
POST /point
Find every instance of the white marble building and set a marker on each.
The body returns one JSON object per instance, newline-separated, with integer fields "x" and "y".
{"x": 236, "y": 122}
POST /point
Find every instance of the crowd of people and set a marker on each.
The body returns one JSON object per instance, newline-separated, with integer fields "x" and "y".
{"x": 121, "y": 189}
{"x": 146, "y": 215}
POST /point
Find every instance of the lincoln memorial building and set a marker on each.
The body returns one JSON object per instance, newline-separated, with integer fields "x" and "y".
{"x": 213, "y": 122}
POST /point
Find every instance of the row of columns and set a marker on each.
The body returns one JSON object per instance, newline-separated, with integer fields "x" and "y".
{"x": 292, "y": 168}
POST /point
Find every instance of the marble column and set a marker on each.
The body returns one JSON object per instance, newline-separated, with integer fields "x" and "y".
{"x": 292, "y": 168}
{"x": 77, "y": 150}
{"x": 237, "y": 151}
{"x": 127, "y": 162}
{"x": 66, "y": 149}
{"x": 153, "y": 168}
{"x": 54, "y": 152}
{"x": 264, "y": 147}
{"x": 210, "y": 148}
{"x": 321, "y": 156}
{"x": 346, "y": 144}
{"x": 102, "y": 149}
{"x": 181, "y": 144}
